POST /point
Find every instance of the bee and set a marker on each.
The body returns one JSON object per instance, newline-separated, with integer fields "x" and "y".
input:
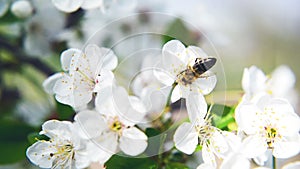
{"x": 192, "y": 73}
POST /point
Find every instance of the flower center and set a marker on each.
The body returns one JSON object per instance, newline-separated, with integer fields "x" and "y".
{"x": 271, "y": 134}
{"x": 63, "y": 155}
{"x": 85, "y": 77}
{"x": 116, "y": 125}
{"x": 205, "y": 132}
{"x": 64, "y": 150}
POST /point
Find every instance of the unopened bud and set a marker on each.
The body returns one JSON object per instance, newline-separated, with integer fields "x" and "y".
{"x": 22, "y": 9}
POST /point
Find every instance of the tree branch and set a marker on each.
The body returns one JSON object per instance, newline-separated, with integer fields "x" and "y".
{"x": 20, "y": 55}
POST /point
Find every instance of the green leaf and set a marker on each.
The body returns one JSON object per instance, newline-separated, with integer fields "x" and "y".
{"x": 35, "y": 136}
{"x": 151, "y": 132}
{"x": 121, "y": 162}
{"x": 176, "y": 166}
{"x": 220, "y": 110}
{"x": 222, "y": 116}
{"x": 64, "y": 112}
{"x": 9, "y": 18}
{"x": 13, "y": 143}
{"x": 154, "y": 139}
{"x": 177, "y": 157}
{"x": 178, "y": 30}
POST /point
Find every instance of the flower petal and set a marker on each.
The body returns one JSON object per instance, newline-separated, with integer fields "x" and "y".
{"x": 289, "y": 121}
{"x": 246, "y": 117}
{"x": 81, "y": 98}
{"x": 186, "y": 138}
{"x": 91, "y": 123}
{"x": 154, "y": 99}
{"x": 282, "y": 80}
{"x": 208, "y": 155}
{"x": 206, "y": 84}
{"x": 163, "y": 76}
{"x": 176, "y": 94}
{"x": 39, "y": 154}
{"x": 104, "y": 80}
{"x": 105, "y": 103}
{"x": 92, "y": 4}
{"x": 253, "y": 80}
{"x": 287, "y": 148}
{"x": 196, "y": 106}
{"x": 262, "y": 159}
{"x": 233, "y": 141}
{"x": 110, "y": 60}
{"x": 174, "y": 57}
{"x": 82, "y": 160}
{"x": 101, "y": 58}
{"x": 93, "y": 57}
{"x": 67, "y": 5}
{"x": 219, "y": 144}
{"x": 63, "y": 86}
{"x": 66, "y": 57}
{"x": 49, "y": 83}
{"x": 108, "y": 142}
{"x": 175, "y": 48}
{"x": 254, "y": 146}
{"x": 129, "y": 109}
{"x": 65, "y": 100}
{"x": 57, "y": 129}
{"x": 133, "y": 141}
{"x": 95, "y": 153}
{"x": 235, "y": 161}
{"x": 195, "y": 52}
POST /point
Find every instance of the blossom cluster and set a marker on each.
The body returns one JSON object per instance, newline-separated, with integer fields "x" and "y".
{"x": 110, "y": 120}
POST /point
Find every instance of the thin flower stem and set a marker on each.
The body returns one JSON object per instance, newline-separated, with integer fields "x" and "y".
{"x": 159, "y": 122}
{"x": 170, "y": 95}
{"x": 274, "y": 162}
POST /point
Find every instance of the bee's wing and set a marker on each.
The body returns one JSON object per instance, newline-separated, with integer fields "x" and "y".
{"x": 207, "y": 75}
{"x": 202, "y": 65}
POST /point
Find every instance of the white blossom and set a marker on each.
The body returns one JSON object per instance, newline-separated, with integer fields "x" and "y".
{"x": 40, "y": 33}
{"x": 73, "y": 5}
{"x": 176, "y": 60}
{"x": 149, "y": 89}
{"x": 214, "y": 142}
{"x": 280, "y": 83}
{"x": 85, "y": 73}
{"x": 269, "y": 123}
{"x": 111, "y": 125}
{"x": 65, "y": 149}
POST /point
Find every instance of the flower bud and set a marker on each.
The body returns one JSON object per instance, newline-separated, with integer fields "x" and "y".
{"x": 22, "y": 9}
